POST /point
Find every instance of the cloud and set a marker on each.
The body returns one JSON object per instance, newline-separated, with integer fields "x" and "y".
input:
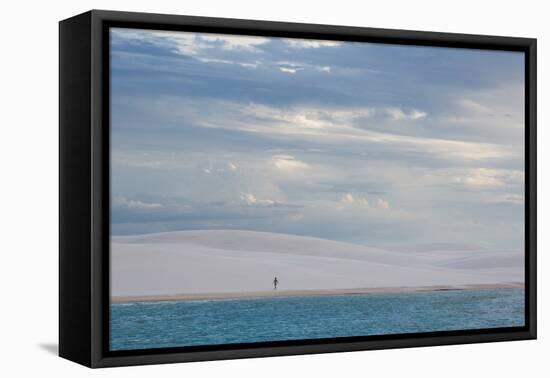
{"x": 250, "y": 199}
{"x": 310, "y": 43}
{"x": 473, "y": 106}
{"x": 213, "y": 60}
{"x": 289, "y": 70}
{"x": 288, "y": 163}
{"x": 192, "y": 44}
{"x": 321, "y": 125}
{"x": 324, "y": 148}
{"x": 290, "y": 67}
{"x": 179, "y": 42}
{"x": 293, "y": 67}
{"x": 398, "y": 114}
{"x": 232, "y": 167}
{"x": 254, "y": 64}
{"x": 214, "y": 48}
{"x": 343, "y": 126}
{"x": 236, "y": 42}
{"x": 496, "y": 113}
{"x": 382, "y": 204}
{"x": 218, "y": 168}
{"x": 478, "y": 177}
{"x": 291, "y": 119}
{"x": 349, "y": 199}
{"x": 130, "y": 204}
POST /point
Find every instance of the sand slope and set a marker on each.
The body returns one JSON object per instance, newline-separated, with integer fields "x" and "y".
{"x": 225, "y": 261}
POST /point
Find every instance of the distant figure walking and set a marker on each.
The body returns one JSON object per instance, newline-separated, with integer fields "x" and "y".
{"x": 275, "y": 283}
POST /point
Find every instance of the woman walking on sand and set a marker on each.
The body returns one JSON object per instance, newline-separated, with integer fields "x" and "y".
{"x": 275, "y": 283}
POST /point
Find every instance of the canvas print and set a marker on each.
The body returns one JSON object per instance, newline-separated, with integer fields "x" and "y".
{"x": 269, "y": 189}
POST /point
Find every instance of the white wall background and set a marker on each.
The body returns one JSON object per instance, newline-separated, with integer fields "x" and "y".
{"x": 29, "y": 174}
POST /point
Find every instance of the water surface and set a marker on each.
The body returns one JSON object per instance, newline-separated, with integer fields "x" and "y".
{"x": 143, "y": 325}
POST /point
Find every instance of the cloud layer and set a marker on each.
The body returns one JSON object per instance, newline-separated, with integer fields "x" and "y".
{"x": 367, "y": 143}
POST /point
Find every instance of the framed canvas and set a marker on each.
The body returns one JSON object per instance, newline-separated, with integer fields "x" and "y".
{"x": 234, "y": 188}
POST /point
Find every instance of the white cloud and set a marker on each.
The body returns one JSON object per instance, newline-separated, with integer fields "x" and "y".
{"x": 212, "y": 60}
{"x": 250, "y": 199}
{"x": 249, "y": 65}
{"x": 293, "y": 67}
{"x": 382, "y": 204}
{"x": 219, "y": 168}
{"x": 288, "y": 163}
{"x": 349, "y": 199}
{"x": 288, "y": 70}
{"x": 180, "y": 42}
{"x": 479, "y": 177}
{"x": 335, "y": 125}
{"x": 310, "y": 43}
{"x": 236, "y": 42}
{"x": 495, "y": 112}
{"x": 473, "y": 106}
{"x": 229, "y": 62}
{"x": 290, "y": 67}
{"x": 398, "y": 114}
{"x": 337, "y": 119}
{"x": 134, "y": 204}
{"x": 193, "y": 44}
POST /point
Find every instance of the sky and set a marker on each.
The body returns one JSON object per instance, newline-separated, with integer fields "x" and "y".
{"x": 373, "y": 144}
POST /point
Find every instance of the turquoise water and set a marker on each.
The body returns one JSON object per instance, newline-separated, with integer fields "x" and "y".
{"x": 144, "y": 325}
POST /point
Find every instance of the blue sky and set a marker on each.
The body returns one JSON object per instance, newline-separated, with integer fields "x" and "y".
{"x": 367, "y": 143}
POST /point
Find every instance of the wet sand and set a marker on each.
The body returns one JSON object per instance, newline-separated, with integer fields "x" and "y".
{"x": 303, "y": 293}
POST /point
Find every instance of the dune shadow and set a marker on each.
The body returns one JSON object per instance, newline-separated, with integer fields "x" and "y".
{"x": 51, "y": 348}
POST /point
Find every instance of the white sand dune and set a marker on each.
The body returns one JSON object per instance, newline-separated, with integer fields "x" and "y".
{"x": 226, "y": 261}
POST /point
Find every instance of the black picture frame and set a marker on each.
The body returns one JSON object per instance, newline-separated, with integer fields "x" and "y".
{"x": 84, "y": 187}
